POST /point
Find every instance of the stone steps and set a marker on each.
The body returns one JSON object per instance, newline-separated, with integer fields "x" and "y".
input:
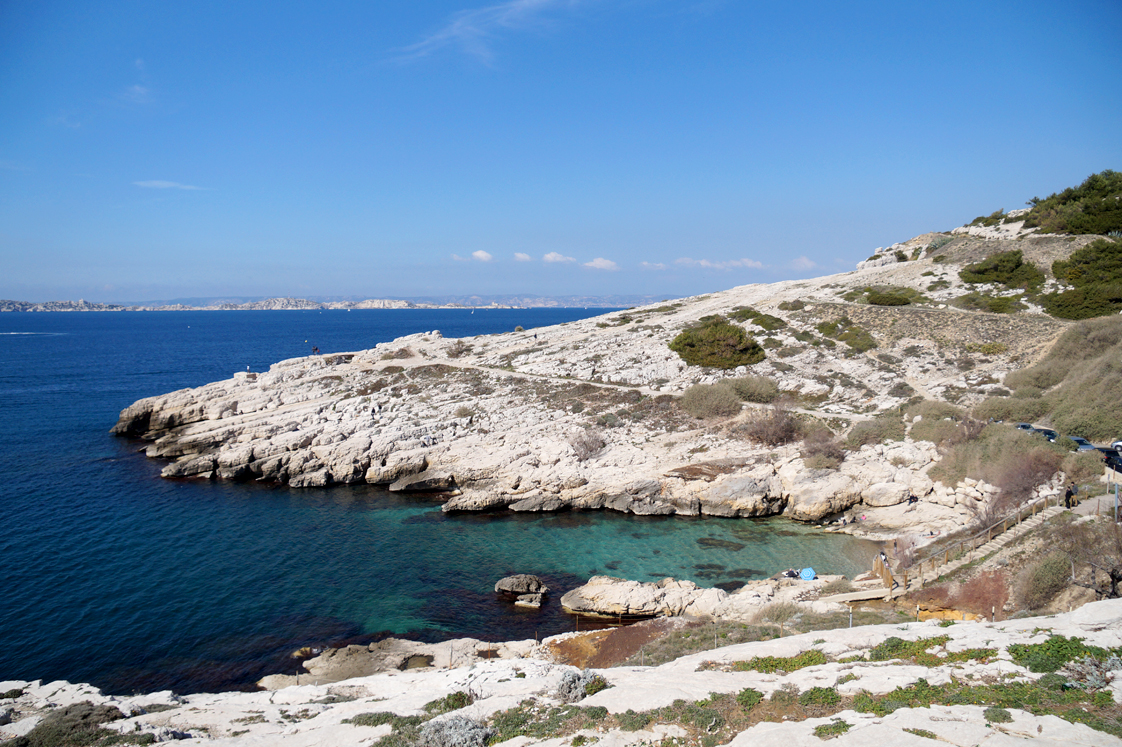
{"x": 992, "y": 546}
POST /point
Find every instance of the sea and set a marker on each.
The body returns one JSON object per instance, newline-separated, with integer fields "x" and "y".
{"x": 117, "y": 577}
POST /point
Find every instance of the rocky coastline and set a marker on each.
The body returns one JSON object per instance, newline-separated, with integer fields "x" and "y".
{"x": 586, "y": 416}
{"x": 857, "y": 672}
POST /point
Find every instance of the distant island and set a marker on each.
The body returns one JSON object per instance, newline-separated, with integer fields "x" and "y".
{"x": 298, "y": 304}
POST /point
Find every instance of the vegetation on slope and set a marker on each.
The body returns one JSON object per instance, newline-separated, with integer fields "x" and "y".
{"x": 1077, "y": 386}
{"x": 716, "y": 343}
{"x": 1095, "y": 271}
{"x": 1094, "y": 207}
{"x": 1005, "y": 268}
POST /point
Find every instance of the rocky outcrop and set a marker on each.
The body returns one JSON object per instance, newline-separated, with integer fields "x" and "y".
{"x": 522, "y": 583}
{"x": 506, "y": 422}
{"x": 615, "y": 597}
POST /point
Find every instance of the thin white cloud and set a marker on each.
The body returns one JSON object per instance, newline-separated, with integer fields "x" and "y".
{"x": 557, "y": 257}
{"x": 481, "y": 256}
{"x": 472, "y": 31}
{"x": 161, "y": 184}
{"x": 137, "y": 95}
{"x": 602, "y": 264}
{"x": 723, "y": 265}
{"x": 803, "y": 263}
{"x": 520, "y": 257}
{"x": 458, "y": 258}
{"x": 652, "y": 265}
{"x": 65, "y": 120}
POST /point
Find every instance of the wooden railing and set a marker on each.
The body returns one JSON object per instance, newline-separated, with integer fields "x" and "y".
{"x": 968, "y": 544}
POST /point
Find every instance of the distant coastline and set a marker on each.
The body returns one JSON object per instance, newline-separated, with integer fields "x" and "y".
{"x": 304, "y": 304}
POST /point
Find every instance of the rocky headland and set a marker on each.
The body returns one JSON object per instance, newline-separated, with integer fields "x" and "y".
{"x": 587, "y": 415}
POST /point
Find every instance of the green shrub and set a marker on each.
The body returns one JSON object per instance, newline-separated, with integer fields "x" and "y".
{"x": 1053, "y": 654}
{"x": 795, "y": 305}
{"x": 844, "y": 330}
{"x": 716, "y": 343}
{"x": 710, "y": 400}
{"x": 758, "y": 389}
{"x": 1096, "y": 272}
{"x": 748, "y": 698}
{"x": 994, "y": 304}
{"x": 994, "y": 218}
{"x": 820, "y": 696}
{"x": 1004, "y": 268}
{"x": 1043, "y": 580}
{"x": 1092, "y": 207}
{"x": 887, "y": 299}
{"x": 629, "y": 720}
{"x": 771, "y": 664}
{"x": 451, "y": 702}
{"x": 996, "y": 715}
{"x": 748, "y": 314}
{"x": 835, "y": 728}
{"x": 11, "y": 694}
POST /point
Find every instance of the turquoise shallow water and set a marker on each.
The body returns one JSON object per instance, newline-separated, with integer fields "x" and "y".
{"x": 132, "y": 582}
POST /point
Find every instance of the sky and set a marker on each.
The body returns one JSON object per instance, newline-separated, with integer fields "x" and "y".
{"x": 153, "y": 150}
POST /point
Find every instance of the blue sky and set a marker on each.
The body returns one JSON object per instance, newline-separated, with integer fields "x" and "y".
{"x": 153, "y": 150}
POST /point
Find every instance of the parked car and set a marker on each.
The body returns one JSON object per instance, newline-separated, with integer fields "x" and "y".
{"x": 1025, "y": 427}
{"x": 1116, "y": 445}
{"x": 1108, "y": 451}
{"x": 1082, "y": 443}
{"x": 1048, "y": 433}
{"x": 1114, "y": 462}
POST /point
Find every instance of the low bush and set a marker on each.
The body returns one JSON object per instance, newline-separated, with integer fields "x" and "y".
{"x": 844, "y": 330}
{"x": 1053, "y": 654}
{"x": 758, "y": 389}
{"x": 747, "y": 698}
{"x": 888, "y": 299}
{"x": 881, "y": 429}
{"x": 994, "y": 304}
{"x": 457, "y": 731}
{"x": 996, "y": 715}
{"x": 821, "y": 450}
{"x": 930, "y": 409}
{"x": 75, "y": 725}
{"x": 771, "y": 664}
{"x": 820, "y": 696}
{"x": 1013, "y": 460}
{"x": 795, "y": 305}
{"x": 715, "y": 343}
{"x": 710, "y": 401}
{"x": 1004, "y": 268}
{"x": 1011, "y": 409}
{"x": 748, "y": 314}
{"x": 1043, "y": 580}
{"x": 771, "y": 426}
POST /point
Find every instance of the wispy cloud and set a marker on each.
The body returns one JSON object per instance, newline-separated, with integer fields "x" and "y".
{"x": 160, "y": 184}
{"x": 481, "y": 256}
{"x": 602, "y": 264}
{"x": 473, "y": 31}
{"x": 652, "y": 265}
{"x": 556, "y": 257}
{"x": 520, "y": 257}
{"x": 136, "y": 95}
{"x": 722, "y": 265}
{"x": 65, "y": 120}
{"x": 803, "y": 263}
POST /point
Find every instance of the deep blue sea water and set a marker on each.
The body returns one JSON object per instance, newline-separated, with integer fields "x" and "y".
{"x": 117, "y": 577}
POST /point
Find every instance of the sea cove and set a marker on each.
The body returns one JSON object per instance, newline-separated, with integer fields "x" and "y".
{"x": 132, "y": 582}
